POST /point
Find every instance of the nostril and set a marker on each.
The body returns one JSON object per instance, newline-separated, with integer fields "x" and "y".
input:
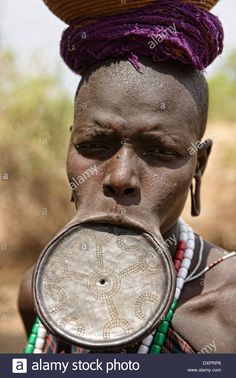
{"x": 129, "y": 191}
{"x": 110, "y": 190}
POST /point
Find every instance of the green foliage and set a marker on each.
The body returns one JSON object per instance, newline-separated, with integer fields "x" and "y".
{"x": 223, "y": 92}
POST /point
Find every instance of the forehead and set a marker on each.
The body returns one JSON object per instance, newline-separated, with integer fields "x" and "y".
{"x": 118, "y": 94}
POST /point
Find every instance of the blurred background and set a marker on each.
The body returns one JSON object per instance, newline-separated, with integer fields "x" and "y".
{"x": 36, "y": 111}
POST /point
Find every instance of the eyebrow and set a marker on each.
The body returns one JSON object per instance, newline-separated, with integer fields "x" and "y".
{"x": 96, "y": 128}
{"x": 156, "y": 134}
{"x": 156, "y": 129}
{"x": 100, "y": 126}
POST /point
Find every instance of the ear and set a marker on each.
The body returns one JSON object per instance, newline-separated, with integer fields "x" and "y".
{"x": 204, "y": 150}
{"x": 73, "y": 200}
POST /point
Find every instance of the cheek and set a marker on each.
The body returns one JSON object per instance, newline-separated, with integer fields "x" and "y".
{"x": 71, "y": 163}
{"x": 76, "y": 164}
{"x": 171, "y": 187}
{"x": 84, "y": 177}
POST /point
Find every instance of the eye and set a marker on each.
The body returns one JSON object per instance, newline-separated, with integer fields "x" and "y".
{"x": 160, "y": 152}
{"x": 90, "y": 146}
{"x": 93, "y": 150}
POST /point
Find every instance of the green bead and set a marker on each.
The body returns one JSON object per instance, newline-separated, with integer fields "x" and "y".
{"x": 159, "y": 338}
{"x": 35, "y": 329}
{"x": 169, "y": 316}
{"x": 174, "y": 304}
{"x": 163, "y": 327}
{"x": 32, "y": 339}
{"x": 155, "y": 349}
{"x": 29, "y": 349}
{"x": 35, "y": 326}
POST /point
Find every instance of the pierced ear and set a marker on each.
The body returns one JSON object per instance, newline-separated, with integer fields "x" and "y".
{"x": 195, "y": 195}
{"x": 72, "y": 199}
{"x": 203, "y": 155}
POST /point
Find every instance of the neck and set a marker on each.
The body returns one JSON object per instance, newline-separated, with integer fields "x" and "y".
{"x": 171, "y": 238}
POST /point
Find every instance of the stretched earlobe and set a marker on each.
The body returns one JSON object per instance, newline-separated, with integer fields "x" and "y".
{"x": 203, "y": 155}
{"x": 73, "y": 200}
{"x": 195, "y": 195}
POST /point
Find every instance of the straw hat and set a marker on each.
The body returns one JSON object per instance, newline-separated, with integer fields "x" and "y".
{"x": 69, "y": 10}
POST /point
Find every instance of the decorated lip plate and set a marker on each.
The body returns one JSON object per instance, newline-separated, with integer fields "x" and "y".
{"x": 69, "y": 10}
{"x": 103, "y": 287}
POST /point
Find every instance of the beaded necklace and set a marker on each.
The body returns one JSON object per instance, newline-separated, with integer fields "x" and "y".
{"x": 154, "y": 342}
{"x": 37, "y": 338}
{"x": 182, "y": 261}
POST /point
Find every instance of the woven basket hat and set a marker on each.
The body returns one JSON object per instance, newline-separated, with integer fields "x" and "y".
{"x": 69, "y": 10}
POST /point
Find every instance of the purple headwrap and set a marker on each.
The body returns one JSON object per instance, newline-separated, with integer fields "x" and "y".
{"x": 165, "y": 30}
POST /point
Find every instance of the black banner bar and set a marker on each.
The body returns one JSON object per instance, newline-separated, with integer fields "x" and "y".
{"x": 114, "y": 365}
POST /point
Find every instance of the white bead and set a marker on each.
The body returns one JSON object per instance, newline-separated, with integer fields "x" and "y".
{"x": 177, "y": 293}
{"x": 143, "y": 349}
{"x": 191, "y": 236}
{"x": 183, "y": 228}
{"x": 39, "y": 343}
{"x": 190, "y": 244}
{"x": 183, "y": 236}
{"x": 186, "y": 263}
{"x": 183, "y": 272}
{"x": 180, "y": 283}
{"x": 188, "y": 254}
{"x": 148, "y": 341}
{"x": 37, "y": 351}
{"x": 42, "y": 333}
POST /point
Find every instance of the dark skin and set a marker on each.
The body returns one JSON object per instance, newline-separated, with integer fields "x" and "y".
{"x": 137, "y": 130}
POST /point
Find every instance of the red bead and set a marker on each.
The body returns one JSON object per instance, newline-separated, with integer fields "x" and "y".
{"x": 179, "y": 255}
{"x": 177, "y": 265}
{"x": 181, "y": 245}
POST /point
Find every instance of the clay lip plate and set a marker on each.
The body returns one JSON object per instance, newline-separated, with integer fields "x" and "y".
{"x": 103, "y": 286}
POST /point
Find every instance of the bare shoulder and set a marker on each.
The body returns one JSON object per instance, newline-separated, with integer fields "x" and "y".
{"x": 224, "y": 273}
{"x": 223, "y": 276}
{"x": 207, "y": 305}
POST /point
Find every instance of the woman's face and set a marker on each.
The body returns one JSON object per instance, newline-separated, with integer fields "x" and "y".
{"x": 129, "y": 149}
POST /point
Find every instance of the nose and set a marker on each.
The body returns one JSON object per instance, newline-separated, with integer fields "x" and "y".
{"x": 121, "y": 179}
